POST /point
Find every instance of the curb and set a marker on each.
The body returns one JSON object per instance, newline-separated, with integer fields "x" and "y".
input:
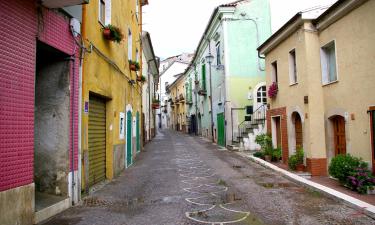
{"x": 362, "y": 206}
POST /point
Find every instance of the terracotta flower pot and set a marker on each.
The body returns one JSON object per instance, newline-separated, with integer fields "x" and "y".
{"x": 133, "y": 67}
{"x": 107, "y": 33}
{"x": 268, "y": 158}
{"x": 300, "y": 168}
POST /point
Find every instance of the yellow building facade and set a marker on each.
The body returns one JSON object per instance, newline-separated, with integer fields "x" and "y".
{"x": 323, "y": 69}
{"x": 178, "y": 104}
{"x": 111, "y": 95}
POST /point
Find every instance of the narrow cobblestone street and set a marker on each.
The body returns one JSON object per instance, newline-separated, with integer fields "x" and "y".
{"x": 180, "y": 179}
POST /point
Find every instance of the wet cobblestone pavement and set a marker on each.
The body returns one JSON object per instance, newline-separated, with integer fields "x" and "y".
{"x": 181, "y": 179}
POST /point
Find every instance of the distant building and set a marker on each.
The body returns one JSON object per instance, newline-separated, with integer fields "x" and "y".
{"x": 169, "y": 69}
{"x": 323, "y": 67}
{"x": 227, "y": 71}
{"x": 150, "y": 70}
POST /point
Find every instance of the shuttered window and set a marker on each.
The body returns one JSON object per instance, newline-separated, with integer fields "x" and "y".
{"x": 203, "y": 76}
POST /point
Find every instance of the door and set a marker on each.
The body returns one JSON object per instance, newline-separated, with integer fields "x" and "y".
{"x": 299, "y": 134}
{"x": 138, "y": 138}
{"x": 339, "y": 135}
{"x": 97, "y": 140}
{"x": 220, "y": 129}
{"x": 372, "y": 121}
{"x": 129, "y": 154}
{"x": 278, "y": 132}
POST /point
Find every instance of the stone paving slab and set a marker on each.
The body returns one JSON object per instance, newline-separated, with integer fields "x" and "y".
{"x": 185, "y": 180}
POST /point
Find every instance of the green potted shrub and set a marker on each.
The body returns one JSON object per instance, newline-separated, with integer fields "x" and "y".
{"x": 113, "y": 33}
{"x": 134, "y": 65}
{"x": 276, "y": 154}
{"x": 295, "y": 161}
{"x": 141, "y": 78}
{"x": 265, "y": 142}
{"x": 342, "y": 166}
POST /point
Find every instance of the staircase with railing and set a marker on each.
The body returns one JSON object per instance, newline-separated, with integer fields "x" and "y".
{"x": 253, "y": 125}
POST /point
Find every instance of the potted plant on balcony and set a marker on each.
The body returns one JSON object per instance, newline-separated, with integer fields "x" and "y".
{"x": 155, "y": 103}
{"x": 134, "y": 65}
{"x": 272, "y": 90}
{"x": 141, "y": 78}
{"x": 113, "y": 33}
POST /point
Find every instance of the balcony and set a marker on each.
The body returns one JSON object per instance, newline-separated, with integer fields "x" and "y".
{"x": 53, "y": 4}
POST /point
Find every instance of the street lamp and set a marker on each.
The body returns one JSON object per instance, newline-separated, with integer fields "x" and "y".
{"x": 209, "y": 59}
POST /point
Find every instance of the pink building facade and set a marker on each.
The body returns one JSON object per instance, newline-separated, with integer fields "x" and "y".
{"x": 39, "y": 60}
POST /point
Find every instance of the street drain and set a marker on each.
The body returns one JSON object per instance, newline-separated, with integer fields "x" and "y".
{"x": 95, "y": 202}
{"x": 237, "y": 167}
{"x": 230, "y": 198}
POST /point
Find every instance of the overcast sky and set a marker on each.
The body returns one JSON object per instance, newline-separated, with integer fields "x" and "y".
{"x": 176, "y": 26}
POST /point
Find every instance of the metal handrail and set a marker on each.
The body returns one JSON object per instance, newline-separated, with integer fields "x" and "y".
{"x": 258, "y": 117}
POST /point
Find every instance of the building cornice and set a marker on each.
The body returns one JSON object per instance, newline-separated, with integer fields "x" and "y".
{"x": 336, "y": 12}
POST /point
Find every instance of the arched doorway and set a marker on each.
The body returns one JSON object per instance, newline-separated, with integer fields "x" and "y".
{"x": 339, "y": 136}
{"x": 298, "y": 130}
{"x": 260, "y": 95}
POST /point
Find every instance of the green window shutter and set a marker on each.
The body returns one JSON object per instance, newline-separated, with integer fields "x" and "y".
{"x": 204, "y": 76}
{"x": 186, "y": 91}
{"x": 190, "y": 90}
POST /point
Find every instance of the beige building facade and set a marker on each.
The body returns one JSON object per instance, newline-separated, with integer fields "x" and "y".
{"x": 324, "y": 70}
{"x": 177, "y": 102}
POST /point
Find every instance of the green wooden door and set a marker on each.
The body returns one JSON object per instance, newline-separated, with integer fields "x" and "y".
{"x": 220, "y": 129}
{"x": 138, "y": 134}
{"x": 128, "y": 138}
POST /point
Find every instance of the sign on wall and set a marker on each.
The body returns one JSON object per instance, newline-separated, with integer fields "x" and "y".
{"x": 122, "y": 125}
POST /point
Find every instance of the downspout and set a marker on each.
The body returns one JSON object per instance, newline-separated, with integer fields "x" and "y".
{"x": 72, "y": 120}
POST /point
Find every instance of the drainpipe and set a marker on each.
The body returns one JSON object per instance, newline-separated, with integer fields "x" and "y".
{"x": 73, "y": 59}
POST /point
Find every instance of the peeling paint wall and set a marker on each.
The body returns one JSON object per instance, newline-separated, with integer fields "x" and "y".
{"x": 52, "y": 109}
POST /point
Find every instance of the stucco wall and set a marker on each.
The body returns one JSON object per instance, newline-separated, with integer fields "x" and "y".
{"x": 354, "y": 92}
{"x": 350, "y": 96}
{"x": 108, "y": 80}
{"x": 52, "y": 101}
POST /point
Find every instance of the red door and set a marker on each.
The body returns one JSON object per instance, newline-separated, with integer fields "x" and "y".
{"x": 339, "y": 135}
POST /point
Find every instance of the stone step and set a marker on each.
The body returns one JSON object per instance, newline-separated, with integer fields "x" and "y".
{"x": 233, "y": 148}
{"x": 305, "y": 175}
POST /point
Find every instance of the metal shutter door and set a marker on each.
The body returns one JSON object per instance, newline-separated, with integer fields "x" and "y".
{"x": 97, "y": 143}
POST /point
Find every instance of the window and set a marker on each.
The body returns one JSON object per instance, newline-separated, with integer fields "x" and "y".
{"x": 130, "y": 45}
{"x": 190, "y": 90}
{"x": 102, "y": 11}
{"x": 203, "y": 76}
{"x": 105, "y": 12}
{"x": 328, "y": 63}
{"x": 274, "y": 75}
{"x": 292, "y": 67}
{"x": 262, "y": 95}
{"x": 218, "y": 57}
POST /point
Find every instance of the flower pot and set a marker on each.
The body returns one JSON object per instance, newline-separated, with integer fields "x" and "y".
{"x": 370, "y": 191}
{"x": 139, "y": 79}
{"x": 107, "y": 34}
{"x": 133, "y": 68}
{"x": 300, "y": 168}
{"x": 268, "y": 158}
